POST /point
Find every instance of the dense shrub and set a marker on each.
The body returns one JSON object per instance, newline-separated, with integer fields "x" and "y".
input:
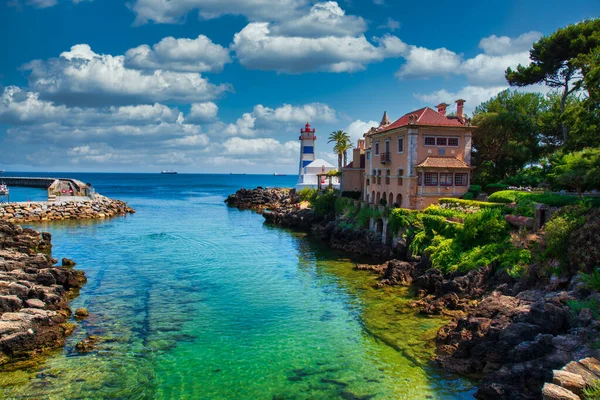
{"x": 344, "y": 206}
{"x": 554, "y": 200}
{"x": 400, "y": 218}
{"x": 307, "y": 194}
{"x": 453, "y": 213}
{"x": 559, "y": 230}
{"x": 592, "y": 281}
{"x": 494, "y": 187}
{"x": 468, "y": 196}
{"x": 475, "y": 189}
{"x": 365, "y": 214}
{"x": 473, "y": 203}
{"x": 352, "y": 194}
{"x": 504, "y": 196}
{"x": 324, "y": 202}
{"x": 525, "y": 207}
{"x": 487, "y": 226}
{"x": 584, "y": 243}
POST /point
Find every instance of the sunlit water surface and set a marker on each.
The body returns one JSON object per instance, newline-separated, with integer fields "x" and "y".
{"x": 195, "y": 300}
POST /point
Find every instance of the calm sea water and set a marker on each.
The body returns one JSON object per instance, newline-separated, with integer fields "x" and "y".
{"x": 195, "y": 300}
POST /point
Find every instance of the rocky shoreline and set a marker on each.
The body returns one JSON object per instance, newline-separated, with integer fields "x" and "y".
{"x": 509, "y": 334}
{"x": 99, "y": 208}
{"x": 34, "y": 294}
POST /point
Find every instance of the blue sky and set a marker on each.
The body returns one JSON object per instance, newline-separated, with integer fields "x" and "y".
{"x": 225, "y": 85}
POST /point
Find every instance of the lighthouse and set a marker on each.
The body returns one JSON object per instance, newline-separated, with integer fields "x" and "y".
{"x": 309, "y": 167}
{"x": 307, "y": 148}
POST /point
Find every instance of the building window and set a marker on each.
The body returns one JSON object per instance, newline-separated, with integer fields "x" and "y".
{"x": 431, "y": 178}
{"x": 376, "y": 148}
{"x": 400, "y": 175}
{"x": 420, "y": 180}
{"x": 461, "y": 179}
{"x": 379, "y": 177}
{"x": 445, "y": 179}
{"x": 368, "y": 182}
{"x": 400, "y": 145}
{"x": 387, "y": 176}
{"x": 441, "y": 141}
{"x": 368, "y": 155}
{"x": 453, "y": 142}
{"x": 429, "y": 141}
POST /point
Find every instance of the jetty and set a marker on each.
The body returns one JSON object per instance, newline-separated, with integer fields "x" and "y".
{"x": 59, "y": 189}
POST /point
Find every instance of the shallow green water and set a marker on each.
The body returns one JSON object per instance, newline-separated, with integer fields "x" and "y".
{"x": 194, "y": 300}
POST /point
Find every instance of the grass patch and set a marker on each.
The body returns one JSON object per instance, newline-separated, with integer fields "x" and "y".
{"x": 550, "y": 199}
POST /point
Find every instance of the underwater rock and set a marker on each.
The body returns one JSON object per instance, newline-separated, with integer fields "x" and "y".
{"x": 81, "y": 313}
{"x": 86, "y": 345}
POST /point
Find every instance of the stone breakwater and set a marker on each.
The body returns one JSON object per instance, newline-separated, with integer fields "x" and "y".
{"x": 99, "y": 208}
{"x": 34, "y": 294}
{"x": 261, "y": 199}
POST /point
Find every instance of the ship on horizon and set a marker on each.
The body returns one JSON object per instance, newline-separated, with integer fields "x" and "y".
{"x": 168, "y": 172}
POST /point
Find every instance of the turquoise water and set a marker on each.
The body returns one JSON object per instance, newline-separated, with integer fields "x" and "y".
{"x": 195, "y": 300}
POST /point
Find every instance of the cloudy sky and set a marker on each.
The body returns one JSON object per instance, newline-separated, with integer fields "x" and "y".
{"x": 226, "y": 85}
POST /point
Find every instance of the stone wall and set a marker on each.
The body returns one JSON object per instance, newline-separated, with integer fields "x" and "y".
{"x": 99, "y": 208}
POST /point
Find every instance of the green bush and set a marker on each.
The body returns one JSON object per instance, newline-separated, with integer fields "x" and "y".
{"x": 559, "y": 230}
{"x": 400, "y": 218}
{"x": 468, "y": 196}
{"x": 324, "y": 202}
{"x": 473, "y": 203}
{"x": 592, "y": 392}
{"x": 343, "y": 206}
{"x": 494, "y": 187}
{"x": 445, "y": 212}
{"x": 504, "y": 196}
{"x": 592, "y": 281}
{"x": 553, "y": 200}
{"x": 487, "y": 226}
{"x": 365, "y": 214}
{"x": 577, "y": 305}
{"x": 475, "y": 189}
{"x": 307, "y": 194}
{"x": 525, "y": 207}
{"x": 383, "y": 201}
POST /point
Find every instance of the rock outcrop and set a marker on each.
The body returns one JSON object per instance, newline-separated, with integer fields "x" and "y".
{"x": 261, "y": 199}
{"x": 99, "y": 208}
{"x": 34, "y": 294}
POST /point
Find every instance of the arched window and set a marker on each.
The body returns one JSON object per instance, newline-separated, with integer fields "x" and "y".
{"x": 391, "y": 200}
{"x": 373, "y": 196}
{"x": 399, "y": 200}
{"x": 377, "y": 198}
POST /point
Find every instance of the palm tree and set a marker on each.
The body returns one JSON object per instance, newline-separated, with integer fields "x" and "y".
{"x": 342, "y": 145}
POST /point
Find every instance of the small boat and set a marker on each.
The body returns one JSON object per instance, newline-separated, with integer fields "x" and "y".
{"x": 276, "y": 174}
{"x": 168, "y": 172}
{"x": 4, "y": 190}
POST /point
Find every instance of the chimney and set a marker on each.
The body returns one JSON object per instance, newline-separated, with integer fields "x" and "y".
{"x": 361, "y": 144}
{"x": 442, "y": 108}
{"x": 460, "y": 105}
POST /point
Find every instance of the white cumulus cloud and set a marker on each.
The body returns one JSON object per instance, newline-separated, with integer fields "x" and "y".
{"x": 80, "y": 76}
{"x": 185, "y": 55}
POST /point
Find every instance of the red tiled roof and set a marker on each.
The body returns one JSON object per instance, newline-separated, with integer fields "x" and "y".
{"x": 442, "y": 162}
{"x": 425, "y": 116}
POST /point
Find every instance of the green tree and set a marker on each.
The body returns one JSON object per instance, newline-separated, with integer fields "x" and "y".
{"x": 342, "y": 145}
{"x": 507, "y": 137}
{"x": 559, "y": 61}
{"x": 578, "y": 170}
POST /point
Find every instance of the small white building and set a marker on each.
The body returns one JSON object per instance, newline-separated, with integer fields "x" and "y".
{"x": 308, "y": 175}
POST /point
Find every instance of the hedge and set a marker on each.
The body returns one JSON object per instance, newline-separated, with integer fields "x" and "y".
{"x": 474, "y": 203}
{"x": 551, "y": 199}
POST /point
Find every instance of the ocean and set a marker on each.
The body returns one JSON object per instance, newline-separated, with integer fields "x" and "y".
{"x": 192, "y": 299}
